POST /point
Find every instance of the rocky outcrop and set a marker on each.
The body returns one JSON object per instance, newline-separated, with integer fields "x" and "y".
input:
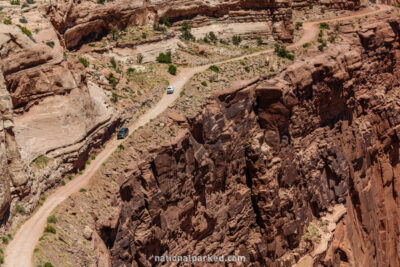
{"x": 264, "y": 160}
{"x": 79, "y": 22}
{"x": 50, "y": 113}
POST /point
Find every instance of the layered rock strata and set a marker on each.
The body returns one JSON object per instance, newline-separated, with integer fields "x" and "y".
{"x": 79, "y": 22}
{"x": 52, "y": 116}
{"x": 262, "y": 161}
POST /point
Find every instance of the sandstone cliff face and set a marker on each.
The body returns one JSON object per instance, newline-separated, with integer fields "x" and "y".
{"x": 262, "y": 161}
{"x": 48, "y": 110}
{"x": 79, "y": 22}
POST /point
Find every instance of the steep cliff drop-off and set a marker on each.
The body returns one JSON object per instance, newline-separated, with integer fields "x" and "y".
{"x": 264, "y": 162}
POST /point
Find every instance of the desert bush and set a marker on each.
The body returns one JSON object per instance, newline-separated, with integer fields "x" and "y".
{"x": 50, "y": 43}
{"x": 164, "y": 58}
{"x": 50, "y": 229}
{"x": 52, "y": 219}
{"x": 281, "y": 51}
{"x": 214, "y": 68}
{"x": 7, "y": 21}
{"x": 298, "y": 25}
{"x": 236, "y": 40}
{"x": 20, "y": 209}
{"x": 139, "y": 58}
{"x": 172, "y": 69}
{"x": 84, "y": 62}
{"x": 324, "y": 26}
{"x": 186, "y": 32}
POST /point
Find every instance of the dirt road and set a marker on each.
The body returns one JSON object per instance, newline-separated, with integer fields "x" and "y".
{"x": 20, "y": 251}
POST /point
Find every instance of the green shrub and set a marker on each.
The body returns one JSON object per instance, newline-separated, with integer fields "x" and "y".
{"x": 52, "y": 219}
{"x": 15, "y": 2}
{"x": 20, "y": 209}
{"x": 186, "y": 32}
{"x": 25, "y": 31}
{"x": 1, "y": 259}
{"x": 310, "y": 6}
{"x": 324, "y": 26}
{"x": 69, "y": 177}
{"x": 354, "y": 35}
{"x": 114, "y": 99}
{"x": 50, "y": 229}
{"x": 182, "y": 93}
{"x": 332, "y": 38}
{"x": 214, "y": 68}
{"x": 306, "y": 45}
{"x": 43, "y": 198}
{"x": 172, "y": 69}
{"x": 212, "y": 37}
{"x": 337, "y": 27}
{"x": 298, "y": 25}
{"x": 165, "y": 21}
{"x": 101, "y": 2}
{"x": 113, "y": 63}
{"x": 164, "y": 58}
{"x": 271, "y": 69}
{"x": 236, "y": 40}
{"x": 82, "y": 190}
{"x": 93, "y": 157}
{"x": 80, "y": 172}
{"x": 121, "y": 147}
{"x": 10, "y": 236}
{"x": 323, "y": 10}
{"x": 139, "y": 58}
{"x": 204, "y": 83}
{"x": 281, "y": 51}
{"x": 7, "y": 21}
{"x": 259, "y": 41}
{"x": 112, "y": 80}
{"x": 23, "y": 20}
{"x": 48, "y": 264}
{"x": 144, "y": 35}
{"x": 50, "y": 43}
{"x": 321, "y": 33}
{"x": 84, "y": 62}
{"x": 130, "y": 71}
{"x": 247, "y": 69}
{"x": 63, "y": 182}
{"x": 5, "y": 240}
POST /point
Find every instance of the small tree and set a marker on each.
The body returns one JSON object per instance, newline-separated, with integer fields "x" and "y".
{"x": 298, "y": 25}
{"x": 172, "y": 69}
{"x": 164, "y": 58}
{"x": 186, "y": 32}
{"x": 236, "y": 40}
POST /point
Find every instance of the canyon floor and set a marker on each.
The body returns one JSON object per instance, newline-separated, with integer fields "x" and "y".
{"x": 95, "y": 187}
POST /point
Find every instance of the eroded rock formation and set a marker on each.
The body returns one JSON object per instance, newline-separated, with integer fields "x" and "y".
{"x": 78, "y": 22}
{"x": 48, "y": 110}
{"x": 262, "y": 161}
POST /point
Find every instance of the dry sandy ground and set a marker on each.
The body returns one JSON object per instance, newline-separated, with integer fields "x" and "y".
{"x": 20, "y": 251}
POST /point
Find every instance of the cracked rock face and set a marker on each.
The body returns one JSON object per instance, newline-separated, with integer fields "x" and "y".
{"x": 259, "y": 163}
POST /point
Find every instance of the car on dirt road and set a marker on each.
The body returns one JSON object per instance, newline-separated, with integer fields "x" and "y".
{"x": 170, "y": 90}
{"x": 123, "y": 133}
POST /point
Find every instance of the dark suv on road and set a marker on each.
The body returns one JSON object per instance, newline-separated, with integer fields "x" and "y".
{"x": 123, "y": 133}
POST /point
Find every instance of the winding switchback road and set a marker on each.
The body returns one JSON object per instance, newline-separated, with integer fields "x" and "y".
{"x": 19, "y": 252}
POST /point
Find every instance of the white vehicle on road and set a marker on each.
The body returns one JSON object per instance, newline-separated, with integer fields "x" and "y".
{"x": 170, "y": 90}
